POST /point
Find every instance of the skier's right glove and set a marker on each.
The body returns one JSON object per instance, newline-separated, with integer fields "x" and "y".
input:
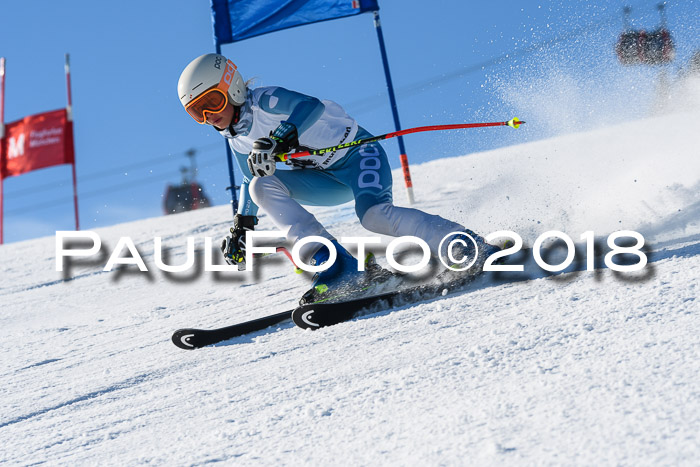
{"x": 261, "y": 160}
{"x": 233, "y": 246}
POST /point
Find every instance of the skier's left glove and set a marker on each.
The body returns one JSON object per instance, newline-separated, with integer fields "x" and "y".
{"x": 233, "y": 246}
{"x": 261, "y": 160}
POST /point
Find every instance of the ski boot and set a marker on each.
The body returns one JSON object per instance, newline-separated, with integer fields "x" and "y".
{"x": 376, "y": 273}
{"x": 341, "y": 279}
{"x": 464, "y": 253}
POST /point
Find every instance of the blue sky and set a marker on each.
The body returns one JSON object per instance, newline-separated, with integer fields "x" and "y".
{"x": 551, "y": 63}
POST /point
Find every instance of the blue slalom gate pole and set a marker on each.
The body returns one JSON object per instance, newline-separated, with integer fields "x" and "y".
{"x": 394, "y": 109}
{"x": 229, "y": 158}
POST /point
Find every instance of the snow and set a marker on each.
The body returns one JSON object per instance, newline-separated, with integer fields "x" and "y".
{"x": 588, "y": 367}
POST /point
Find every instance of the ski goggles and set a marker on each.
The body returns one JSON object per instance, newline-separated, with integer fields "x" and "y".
{"x": 213, "y": 100}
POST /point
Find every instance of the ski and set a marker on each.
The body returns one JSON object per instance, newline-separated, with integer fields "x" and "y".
{"x": 321, "y": 314}
{"x": 190, "y": 339}
{"x": 314, "y": 316}
{"x": 327, "y": 313}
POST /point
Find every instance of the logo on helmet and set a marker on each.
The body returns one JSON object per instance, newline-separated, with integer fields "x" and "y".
{"x": 217, "y": 62}
{"x": 230, "y": 70}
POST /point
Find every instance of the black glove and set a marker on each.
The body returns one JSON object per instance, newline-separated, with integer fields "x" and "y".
{"x": 261, "y": 160}
{"x": 233, "y": 246}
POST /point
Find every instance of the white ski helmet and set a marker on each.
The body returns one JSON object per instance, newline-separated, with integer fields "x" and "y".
{"x": 207, "y": 72}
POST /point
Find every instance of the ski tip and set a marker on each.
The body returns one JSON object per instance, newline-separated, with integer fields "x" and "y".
{"x": 183, "y": 339}
{"x": 303, "y": 317}
{"x": 514, "y": 122}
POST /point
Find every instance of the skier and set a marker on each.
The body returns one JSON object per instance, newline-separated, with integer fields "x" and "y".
{"x": 263, "y": 122}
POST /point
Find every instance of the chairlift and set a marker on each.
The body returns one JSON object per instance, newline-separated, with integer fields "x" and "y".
{"x": 639, "y": 47}
{"x": 189, "y": 194}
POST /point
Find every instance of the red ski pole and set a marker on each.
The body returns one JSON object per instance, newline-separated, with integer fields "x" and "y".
{"x": 513, "y": 123}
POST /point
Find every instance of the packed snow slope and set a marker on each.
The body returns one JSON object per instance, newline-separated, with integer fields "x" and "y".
{"x": 580, "y": 368}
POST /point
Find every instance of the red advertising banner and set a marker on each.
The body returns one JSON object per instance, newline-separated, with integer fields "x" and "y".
{"x": 36, "y": 142}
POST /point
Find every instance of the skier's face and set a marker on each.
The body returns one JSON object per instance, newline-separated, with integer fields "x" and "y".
{"x": 221, "y": 119}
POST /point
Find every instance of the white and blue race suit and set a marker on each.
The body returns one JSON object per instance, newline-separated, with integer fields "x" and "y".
{"x": 361, "y": 173}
